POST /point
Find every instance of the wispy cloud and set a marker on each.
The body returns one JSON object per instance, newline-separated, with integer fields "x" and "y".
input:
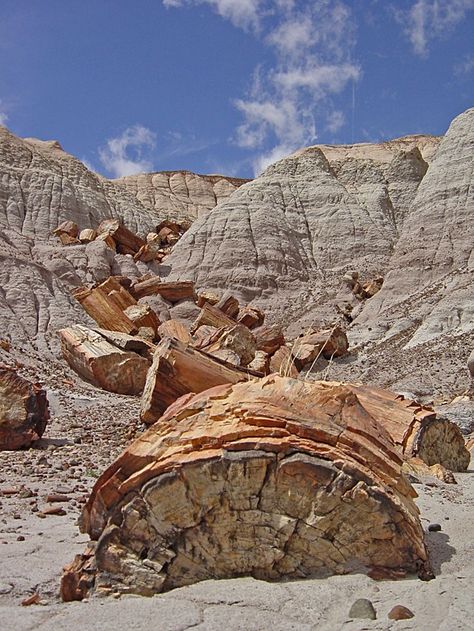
{"x": 129, "y": 153}
{"x": 242, "y": 13}
{"x": 310, "y": 43}
{"x": 3, "y": 113}
{"x": 335, "y": 121}
{"x": 464, "y": 67}
{"x": 427, "y": 20}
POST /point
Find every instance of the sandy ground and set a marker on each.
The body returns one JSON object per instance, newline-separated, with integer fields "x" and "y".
{"x": 88, "y": 430}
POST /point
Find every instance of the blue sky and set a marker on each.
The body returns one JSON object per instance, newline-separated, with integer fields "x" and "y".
{"x": 229, "y": 85}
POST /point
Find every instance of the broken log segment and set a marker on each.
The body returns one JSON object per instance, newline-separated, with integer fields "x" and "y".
{"x": 269, "y": 338}
{"x": 87, "y": 235}
{"x": 251, "y": 317}
{"x": 120, "y": 234}
{"x": 176, "y": 329}
{"x": 101, "y": 363}
{"x": 416, "y": 429}
{"x": 173, "y": 291}
{"x": 329, "y": 343}
{"x": 282, "y": 362}
{"x": 229, "y": 305}
{"x": 143, "y": 316}
{"x": 212, "y": 316}
{"x": 24, "y": 410}
{"x": 104, "y": 308}
{"x": 238, "y": 339}
{"x": 178, "y": 369}
{"x": 269, "y": 478}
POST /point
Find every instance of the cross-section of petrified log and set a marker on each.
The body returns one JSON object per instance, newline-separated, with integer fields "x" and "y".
{"x": 416, "y": 429}
{"x": 100, "y": 362}
{"x": 24, "y": 410}
{"x": 120, "y": 234}
{"x": 178, "y": 369}
{"x": 106, "y": 308}
{"x": 269, "y": 478}
{"x": 211, "y": 315}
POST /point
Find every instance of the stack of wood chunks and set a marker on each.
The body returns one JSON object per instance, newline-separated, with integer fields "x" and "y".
{"x": 156, "y": 246}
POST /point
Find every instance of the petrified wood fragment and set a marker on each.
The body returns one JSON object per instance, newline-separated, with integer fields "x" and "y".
{"x": 269, "y": 478}
{"x": 204, "y": 296}
{"x": 143, "y": 316}
{"x": 212, "y": 316}
{"x": 238, "y": 339}
{"x": 328, "y": 343}
{"x": 24, "y": 410}
{"x": 176, "y": 329}
{"x": 104, "y": 308}
{"x": 416, "y": 429}
{"x": 120, "y": 234}
{"x": 269, "y": 338}
{"x": 100, "y": 362}
{"x": 67, "y": 232}
{"x": 229, "y": 305}
{"x": 282, "y": 362}
{"x": 87, "y": 235}
{"x": 172, "y": 291}
{"x": 251, "y": 317}
{"x": 178, "y": 369}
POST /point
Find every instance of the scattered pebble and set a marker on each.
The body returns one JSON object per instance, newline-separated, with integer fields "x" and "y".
{"x": 362, "y": 608}
{"x": 399, "y": 612}
{"x": 434, "y": 527}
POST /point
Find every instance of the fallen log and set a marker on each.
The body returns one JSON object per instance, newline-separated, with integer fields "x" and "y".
{"x": 178, "y": 369}
{"x": 105, "y": 309}
{"x": 173, "y": 291}
{"x": 212, "y": 316}
{"x": 24, "y": 410}
{"x": 328, "y": 343}
{"x": 101, "y": 363}
{"x": 174, "y": 328}
{"x": 229, "y": 305}
{"x": 120, "y": 234}
{"x": 416, "y": 429}
{"x": 269, "y": 338}
{"x": 238, "y": 339}
{"x": 269, "y": 478}
{"x": 251, "y": 317}
{"x": 143, "y": 316}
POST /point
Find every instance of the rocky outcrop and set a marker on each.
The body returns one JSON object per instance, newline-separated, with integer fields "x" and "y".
{"x": 270, "y": 478}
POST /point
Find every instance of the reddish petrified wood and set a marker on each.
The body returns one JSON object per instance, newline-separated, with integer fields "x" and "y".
{"x": 24, "y": 410}
{"x": 269, "y": 478}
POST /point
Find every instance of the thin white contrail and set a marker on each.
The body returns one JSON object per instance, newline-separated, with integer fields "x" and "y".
{"x": 353, "y": 107}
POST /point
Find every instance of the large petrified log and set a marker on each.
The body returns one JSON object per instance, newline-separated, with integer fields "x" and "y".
{"x": 105, "y": 308}
{"x": 178, "y": 369}
{"x": 120, "y": 234}
{"x": 24, "y": 410}
{"x": 172, "y": 291}
{"x": 416, "y": 429}
{"x": 100, "y": 362}
{"x": 269, "y": 478}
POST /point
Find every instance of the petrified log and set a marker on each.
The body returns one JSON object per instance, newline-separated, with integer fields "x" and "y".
{"x": 87, "y": 235}
{"x": 238, "y": 339}
{"x": 67, "y": 232}
{"x": 178, "y": 369}
{"x": 269, "y": 338}
{"x": 269, "y": 478}
{"x": 107, "y": 239}
{"x": 328, "y": 343}
{"x": 282, "y": 362}
{"x": 104, "y": 308}
{"x": 416, "y": 429}
{"x": 116, "y": 289}
{"x": 251, "y": 317}
{"x": 260, "y": 362}
{"x": 204, "y": 296}
{"x": 143, "y": 316}
{"x": 24, "y": 410}
{"x": 229, "y": 305}
{"x": 173, "y": 291}
{"x": 212, "y": 316}
{"x": 176, "y": 329}
{"x": 129, "y": 343}
{"x": 148, "y": 252}
{"x": 100, "y": 362}
{"x": 120, "y": 234}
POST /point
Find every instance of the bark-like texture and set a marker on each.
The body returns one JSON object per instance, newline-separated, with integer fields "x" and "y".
{"x": 269, "y": 478}
{"x": 24, "y": 410}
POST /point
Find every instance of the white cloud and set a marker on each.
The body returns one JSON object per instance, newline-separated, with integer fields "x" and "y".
{"x": 242, "y": 13}
{"x": 432, "y": 19}
{"x": 465, "y": 67}
{"x": 3, "y": 114}
{"x": 335, "y": 120}
{"x": 128, "y": 153}
{"x": 311, "y": 43}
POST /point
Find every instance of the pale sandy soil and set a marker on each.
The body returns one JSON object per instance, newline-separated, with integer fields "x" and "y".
{"x": 104, "y": 424}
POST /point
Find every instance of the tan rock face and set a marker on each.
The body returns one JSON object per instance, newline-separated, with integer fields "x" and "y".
{"x": 267, "y": 478}
{"x": 24, "y": 410}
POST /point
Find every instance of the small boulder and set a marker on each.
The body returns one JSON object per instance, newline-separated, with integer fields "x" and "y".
{"x": 399, "y": 612}
{"x": 363, "y": 608}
